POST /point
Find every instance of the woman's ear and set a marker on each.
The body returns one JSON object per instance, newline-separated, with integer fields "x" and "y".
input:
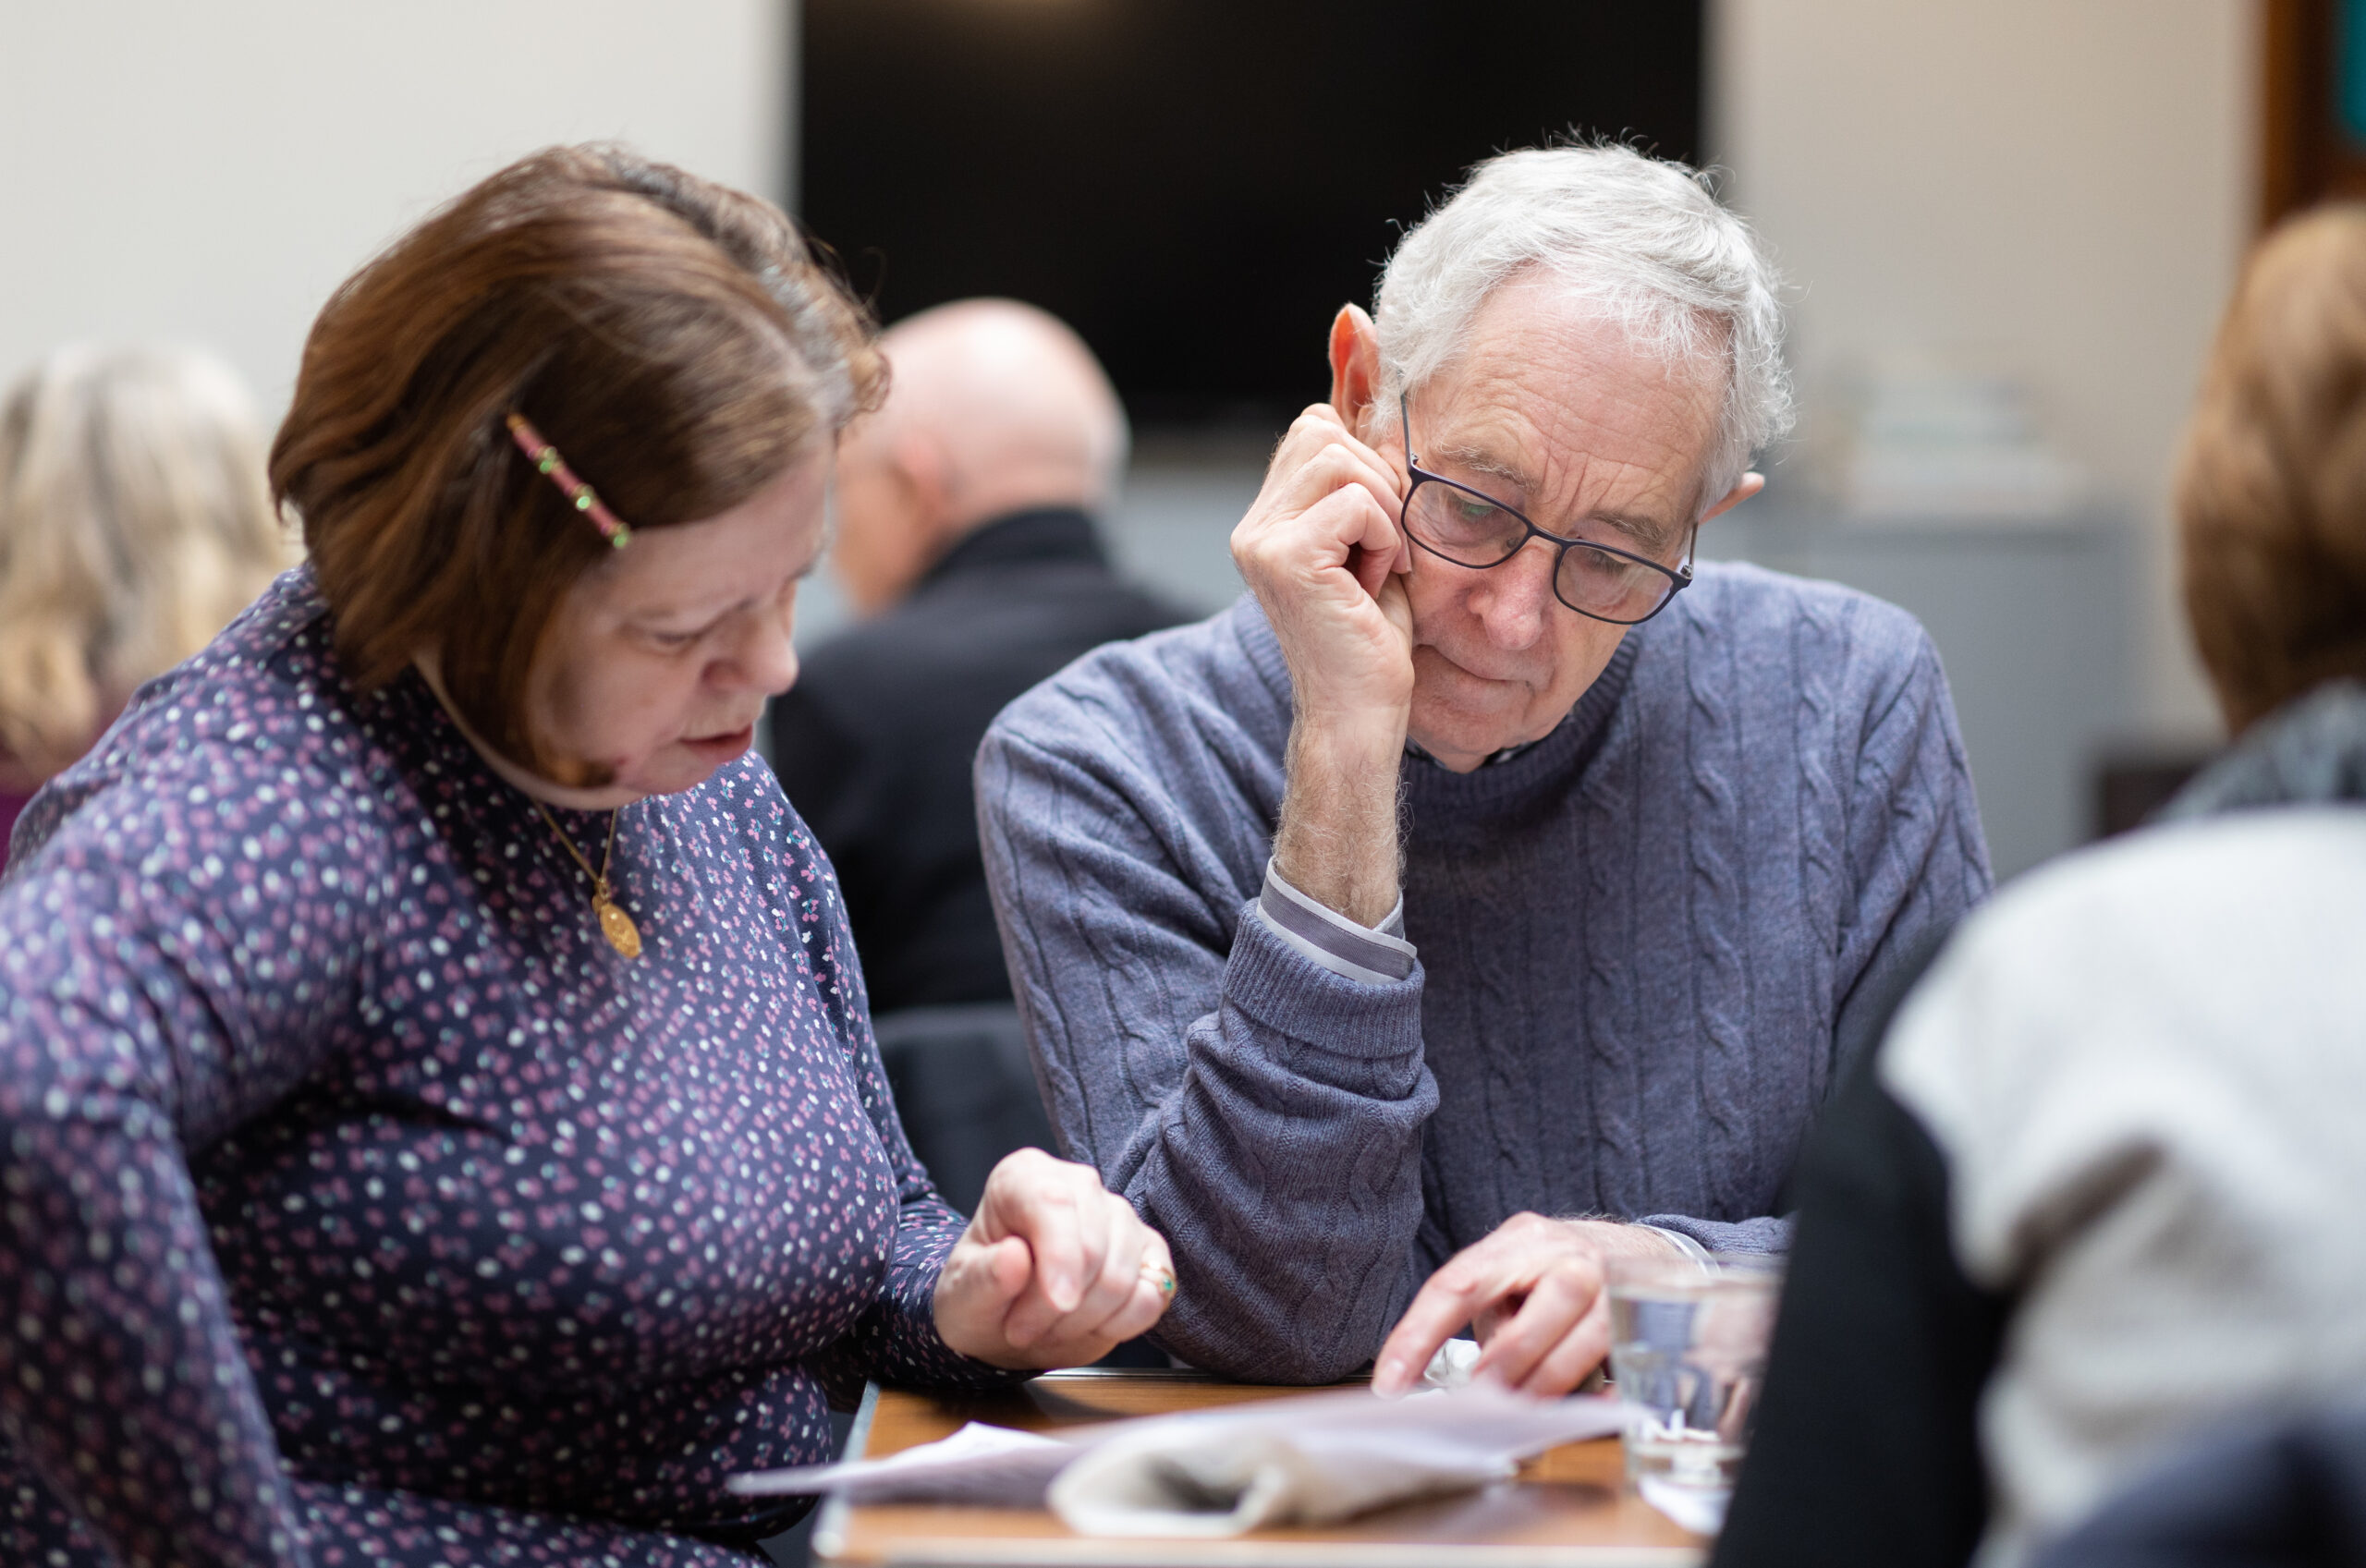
{"x": 1355, "y": 370}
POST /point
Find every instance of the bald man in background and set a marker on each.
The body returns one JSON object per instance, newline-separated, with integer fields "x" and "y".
{"x": 965, "y": 536}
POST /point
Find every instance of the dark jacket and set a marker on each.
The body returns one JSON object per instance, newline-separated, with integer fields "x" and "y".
{"x": 874, "y": 743}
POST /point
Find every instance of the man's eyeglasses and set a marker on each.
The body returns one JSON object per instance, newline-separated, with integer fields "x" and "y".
{"x": 1456, "y": 523}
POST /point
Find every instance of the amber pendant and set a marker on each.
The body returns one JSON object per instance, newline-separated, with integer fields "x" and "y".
{"x": 617, "y": 927}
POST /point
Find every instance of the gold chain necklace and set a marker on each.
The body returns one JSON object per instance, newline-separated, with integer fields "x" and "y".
{"x": 615, "y": 924}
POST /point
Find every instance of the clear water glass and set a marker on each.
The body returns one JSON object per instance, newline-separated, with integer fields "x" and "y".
{"x": 1687, "y": 1352}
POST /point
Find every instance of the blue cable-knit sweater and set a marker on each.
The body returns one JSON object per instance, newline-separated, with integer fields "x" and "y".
{"x": 1639, "y": 944}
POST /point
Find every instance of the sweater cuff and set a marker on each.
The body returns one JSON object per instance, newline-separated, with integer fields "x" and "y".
{"x": 1371, "y": 954}
{"x": 1315, "y": 1020}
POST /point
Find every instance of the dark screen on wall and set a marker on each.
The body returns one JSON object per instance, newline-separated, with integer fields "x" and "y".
{"x": 1196, "y": 185}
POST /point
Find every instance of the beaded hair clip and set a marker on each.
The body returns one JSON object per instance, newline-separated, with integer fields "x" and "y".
{"x": 547, "y": 460}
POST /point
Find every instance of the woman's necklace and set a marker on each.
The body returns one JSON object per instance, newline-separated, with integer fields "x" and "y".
{"x": 615, "y": 924}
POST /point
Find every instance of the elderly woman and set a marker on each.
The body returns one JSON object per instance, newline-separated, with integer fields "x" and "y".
{"x": 2099, "y": 1196}
{"x": 440, "y": 1122}
{"x": 134, "y": 523}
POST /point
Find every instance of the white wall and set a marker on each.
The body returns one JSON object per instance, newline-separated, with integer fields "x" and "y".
{"x": 2065, "y": 186}
{"x": 208, "y": 173}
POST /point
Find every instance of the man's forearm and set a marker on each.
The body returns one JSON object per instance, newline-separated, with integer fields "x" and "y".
{"x": 1339, "y": 841}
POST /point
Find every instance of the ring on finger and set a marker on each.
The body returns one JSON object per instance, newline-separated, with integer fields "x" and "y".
{"x": 1159, "y": 1275}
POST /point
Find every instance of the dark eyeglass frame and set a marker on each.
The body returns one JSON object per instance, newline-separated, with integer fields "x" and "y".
{"x": 1680, "y": 577}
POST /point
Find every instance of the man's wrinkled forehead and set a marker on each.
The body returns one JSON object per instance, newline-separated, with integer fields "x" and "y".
{"x": 1574, "y": 465}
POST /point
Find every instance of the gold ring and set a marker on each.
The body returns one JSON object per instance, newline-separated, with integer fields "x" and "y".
{"x": 1157, "y": 1273}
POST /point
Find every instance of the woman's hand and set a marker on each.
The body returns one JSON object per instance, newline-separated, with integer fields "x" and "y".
{"x": 1054, "y": 1271}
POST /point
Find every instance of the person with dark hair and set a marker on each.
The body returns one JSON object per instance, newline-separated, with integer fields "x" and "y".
{"x": 440, "y": 1121}
{"x": 2097, "y": 1193}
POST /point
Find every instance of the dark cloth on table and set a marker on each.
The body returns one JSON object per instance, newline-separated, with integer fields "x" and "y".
{"x": 363, "y": 1204}
{"x": 875, "y": 742}
{"x": 2289, "y": 1494}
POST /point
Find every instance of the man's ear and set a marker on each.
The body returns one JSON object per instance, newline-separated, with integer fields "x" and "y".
{"x": 1355, "y": 370}
{"x": 1749, "y": 485}
{"x": 925, "y": 477}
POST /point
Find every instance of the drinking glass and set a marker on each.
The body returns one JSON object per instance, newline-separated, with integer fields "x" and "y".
{"x": 1688, "y": 1352}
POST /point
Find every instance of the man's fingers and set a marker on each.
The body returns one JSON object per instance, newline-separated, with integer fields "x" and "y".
{"x": 1570, "y": 1362}
{"x": 1333, "y": 470}
{"x": 1319, "y": 456}
{"x": 1317, "y": 427}
{"x": 1343, "y": 526}
{"x": 1443, "y": 1306}
{"x": 1557, "y": 1305}
{"x": 1397, "y": 604}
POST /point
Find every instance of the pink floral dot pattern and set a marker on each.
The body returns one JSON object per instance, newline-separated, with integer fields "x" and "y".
{"x": 359, "y": 1206}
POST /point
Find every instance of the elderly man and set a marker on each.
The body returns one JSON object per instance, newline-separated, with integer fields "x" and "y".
{"x": 966, "y": 535}
{"x": 1487, "y": 862}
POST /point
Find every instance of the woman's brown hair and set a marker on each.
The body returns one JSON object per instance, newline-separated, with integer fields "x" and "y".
{"x": 2272, "y": 489}
{"x": 678, "y": 341}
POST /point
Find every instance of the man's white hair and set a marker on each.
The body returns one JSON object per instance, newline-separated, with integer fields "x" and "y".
{"x": 1642, "y": 239}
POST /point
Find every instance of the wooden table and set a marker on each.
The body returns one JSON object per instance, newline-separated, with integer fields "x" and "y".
{"x": 1569, "y": 1508}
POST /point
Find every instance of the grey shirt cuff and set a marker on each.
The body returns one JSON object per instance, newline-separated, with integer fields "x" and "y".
{"x": 1374, "y": 954}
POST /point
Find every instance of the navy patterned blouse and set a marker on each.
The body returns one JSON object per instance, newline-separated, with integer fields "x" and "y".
{"x": 360, "y": 1205}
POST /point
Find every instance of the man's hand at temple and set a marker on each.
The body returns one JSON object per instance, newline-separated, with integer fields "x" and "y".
{"x": 1533, "y": 1292}
{"x": 1322, "y": 551}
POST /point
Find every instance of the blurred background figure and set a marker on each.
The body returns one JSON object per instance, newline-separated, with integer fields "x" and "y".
{"x": 134, "y": 524}
{"x": 967, "y": 537}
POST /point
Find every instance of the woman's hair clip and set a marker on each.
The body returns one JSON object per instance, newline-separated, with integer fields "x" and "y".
{"x": 547, "y": 460}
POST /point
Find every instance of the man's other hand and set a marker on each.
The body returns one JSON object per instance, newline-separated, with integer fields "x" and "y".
{"x": 1534, "y": 1291}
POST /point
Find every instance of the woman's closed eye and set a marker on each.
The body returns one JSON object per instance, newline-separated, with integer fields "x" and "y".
{"x": 668, "y": 639}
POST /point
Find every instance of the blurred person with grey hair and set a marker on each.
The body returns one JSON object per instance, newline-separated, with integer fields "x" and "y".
{"x": 135, "y": 522}
{"x": 1492, "y": 891}
{"x": 966, "y": 534}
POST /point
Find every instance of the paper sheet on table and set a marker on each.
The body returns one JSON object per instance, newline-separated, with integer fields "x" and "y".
{"x": 983, "y": 1464}
{"x": 1308, "y": 1459}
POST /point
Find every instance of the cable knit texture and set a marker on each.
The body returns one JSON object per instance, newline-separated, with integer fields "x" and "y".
{"x": 359, "y": 1205}
{"x": 1638, "y": 942}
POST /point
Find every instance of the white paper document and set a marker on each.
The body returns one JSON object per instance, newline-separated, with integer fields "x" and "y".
{"x": 1308, "y": 1459}
{"x": 988, "y": 1466}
